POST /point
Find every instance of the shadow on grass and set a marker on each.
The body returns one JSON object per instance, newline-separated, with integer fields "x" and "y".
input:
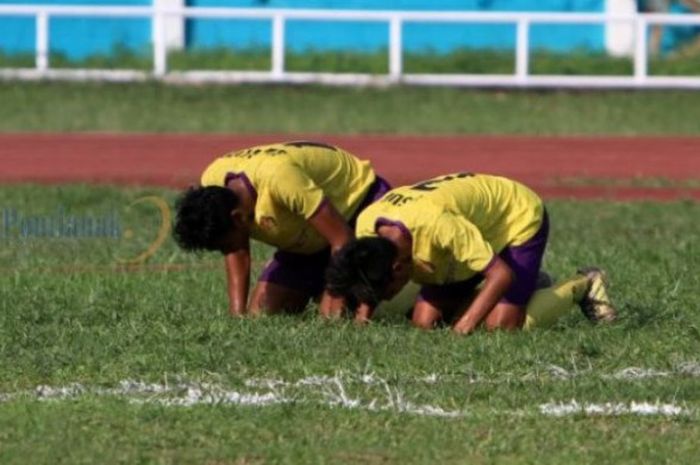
{"x": 636, "y": 316}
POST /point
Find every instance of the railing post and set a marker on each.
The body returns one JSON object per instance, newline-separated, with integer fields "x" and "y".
{"x": 278, "y": 46}
{"x": 173, "y": 24}
{"x": 395, "y": 49}
{"x": 522, "y": 50}
{"x": 640, "y": 50}
{"x": 42, "y": 41}
{"x": 160, "y": 51}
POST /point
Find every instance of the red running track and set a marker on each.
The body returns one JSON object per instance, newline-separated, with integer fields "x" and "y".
{"x": 578, "y": 167}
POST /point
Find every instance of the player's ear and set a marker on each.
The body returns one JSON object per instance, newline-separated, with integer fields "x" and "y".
{"x": 401, "y": 264}
{"x": 238, "y": 217}
{"x": 401, "y": 269}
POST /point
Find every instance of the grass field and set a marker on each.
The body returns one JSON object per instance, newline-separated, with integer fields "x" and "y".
{"x": 103, "y": 363}
{"x": 99, "y": 364}
{"x": 59, "y": 107}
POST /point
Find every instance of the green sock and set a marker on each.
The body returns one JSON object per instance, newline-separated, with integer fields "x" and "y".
{"x": 548, "y": 305}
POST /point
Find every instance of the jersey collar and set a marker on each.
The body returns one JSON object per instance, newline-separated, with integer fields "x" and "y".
{"x": 382, "y": 221}
{"x": 230, "y": 176}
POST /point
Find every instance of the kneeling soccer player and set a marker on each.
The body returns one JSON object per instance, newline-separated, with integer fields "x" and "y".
{"x": 474, "y": 243}
{"x": 301, "y": 197}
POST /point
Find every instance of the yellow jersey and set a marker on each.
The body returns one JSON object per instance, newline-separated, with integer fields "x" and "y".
{"x": 290, "y": 182}
{"x": 457, "y": 222}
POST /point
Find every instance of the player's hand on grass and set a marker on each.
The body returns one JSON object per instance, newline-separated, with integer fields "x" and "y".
{"x": 363, "y": 314}
{"x": 331, "y": 307}
{"x": 236, "y": 313}
{"x": 463, "y": 327}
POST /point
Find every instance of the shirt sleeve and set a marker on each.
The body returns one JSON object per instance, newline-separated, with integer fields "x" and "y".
{"x": 208, "y": 178}
{"x": 364, "y": 226}
{"x": 214, "y": 174}
{"x": 295, "y": 190}
{"x": 462, "y": 243}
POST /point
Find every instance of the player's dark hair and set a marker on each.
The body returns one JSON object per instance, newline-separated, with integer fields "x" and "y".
{"x": 361, "y": 270}
{"x": 204, "y": 217}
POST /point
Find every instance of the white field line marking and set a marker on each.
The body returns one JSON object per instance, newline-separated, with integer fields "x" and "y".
{"x": 691, "y": 369}
{"x": 633, "y": 373}
{"x": 335, "y": 394}
{"x": 684, "y": 369}
{"x": 195, "y": 396}
{"x": 332, "y": 391}
{"x": 613, "y": 409}
{"x": 329, "y": 391}
{"x": 187, "y": 394}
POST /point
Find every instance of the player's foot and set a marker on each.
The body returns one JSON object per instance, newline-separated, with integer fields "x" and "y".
{"x": 596, "y": 305}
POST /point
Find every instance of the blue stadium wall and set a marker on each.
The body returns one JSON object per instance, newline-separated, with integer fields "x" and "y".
{"x": 80, "y": 37}
{"x": 76, "y": 37}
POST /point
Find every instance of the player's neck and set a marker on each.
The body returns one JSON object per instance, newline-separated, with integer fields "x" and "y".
{"x": 398, "y": 237}
{"x": 245, "y": 197}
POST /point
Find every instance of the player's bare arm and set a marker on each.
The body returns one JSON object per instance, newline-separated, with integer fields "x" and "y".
{"x": 236, "y": 249}
{"x": 497, "y": 279}
{"x": 363, "y": 313}
{"x": 333, "y": 227}
{"x": 238, "y": 280}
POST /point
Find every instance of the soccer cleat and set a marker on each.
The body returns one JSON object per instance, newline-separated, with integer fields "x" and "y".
{"x": 595, "y": 304}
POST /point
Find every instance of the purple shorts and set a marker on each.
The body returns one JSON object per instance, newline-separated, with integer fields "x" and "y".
{"x": 305, "y": 272}
{"x": 525, "y": 260}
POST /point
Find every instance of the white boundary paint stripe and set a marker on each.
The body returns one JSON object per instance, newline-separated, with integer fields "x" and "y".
{"x": 332, "y": 391}
{"x": 612, "y": 409}
{"x": 689, "y": 369}
{"x": 554, "y": 372}
{"x": 335, "y": 395}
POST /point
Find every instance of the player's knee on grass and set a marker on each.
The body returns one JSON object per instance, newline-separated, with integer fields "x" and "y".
{"x": 425, "y": 316}
{"x": 505, "y": 317}
{"x": 272, "y": 298}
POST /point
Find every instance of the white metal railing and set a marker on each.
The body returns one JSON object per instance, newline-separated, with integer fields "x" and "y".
{"x": 395, "y": 19}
